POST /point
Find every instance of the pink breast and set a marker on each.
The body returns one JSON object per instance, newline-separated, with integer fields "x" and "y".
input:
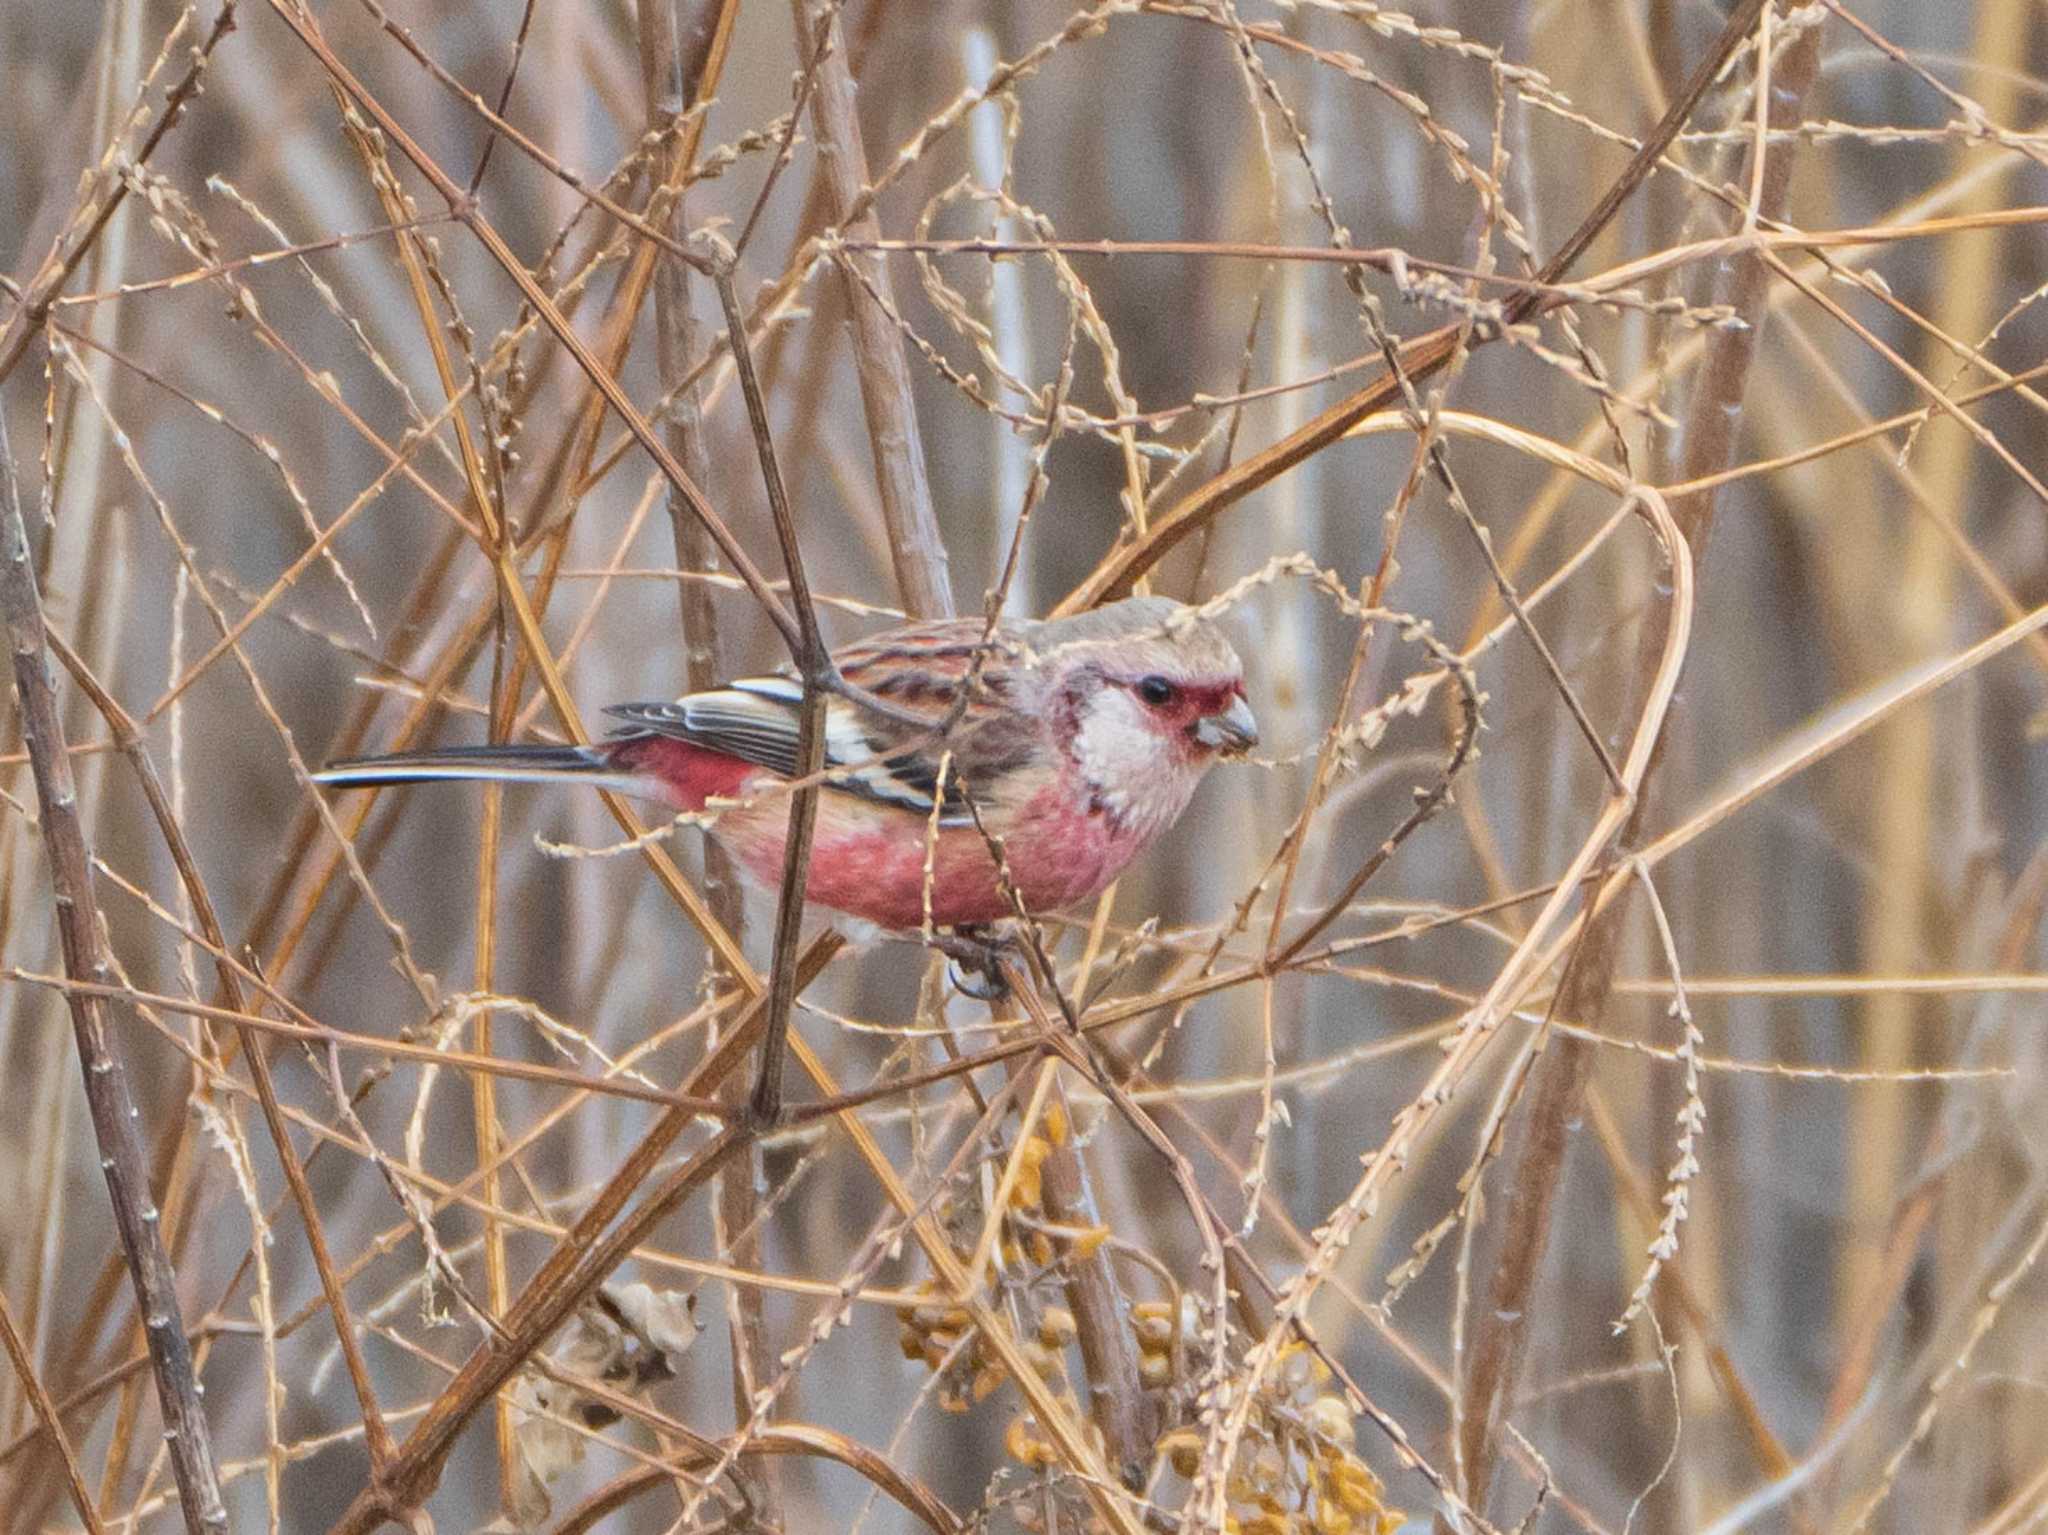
{"x": 872, "y": 861}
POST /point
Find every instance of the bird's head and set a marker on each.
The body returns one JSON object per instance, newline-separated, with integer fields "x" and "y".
{"x": 1150, "y": 695}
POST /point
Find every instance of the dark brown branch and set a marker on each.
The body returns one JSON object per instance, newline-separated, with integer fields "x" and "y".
{"x": 483, "y": 161}
{"x": 814, "y": 664}
{"x": 114, "y": 1114}
{"x": 1102, "y": 1323}
{"x": 915, "y": 545}
{"x": 541, "y": 1309}
{"x": 128, "y": 740}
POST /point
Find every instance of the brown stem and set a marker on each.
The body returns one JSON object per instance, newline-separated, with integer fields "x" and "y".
{"x": 770, "y": 1443}
{"x": 675, "y": 70}
{"x": 128, "y": 739}
{"x": 916, "y": 548}
{"x": 815, "y": 666}
{"x": 46, "y": 1415}
{"x": 1102, "y": 1324}
{"x": 114, "y": 1114}
{"x": 1419, "y": 358}
{"x": 1559, "y": 1080}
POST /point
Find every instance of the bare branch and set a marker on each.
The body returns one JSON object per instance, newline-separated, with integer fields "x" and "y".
{"x": 114, "y": 1114}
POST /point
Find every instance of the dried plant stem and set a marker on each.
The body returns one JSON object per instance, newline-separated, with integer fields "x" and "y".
{"x": 814, "y": 665}
{"x": 501, "y": 254}
{"x": 769, "y": 1444}
{"x": 1559, "y": 1080}
{"x": 102, "y": 195}
{"x": 1102, "y": 1324}
{"x": 966, "y": 1291}
{"x": 1418, "y": 358}
{"x": 914, "y": 542}
{"x": 112, "y": 1106}
{"x": 46, "y": 1415}
{"x": 675, "y": 70}
{"x": 1905, "y": 903}
{"x": 586, "y": 1253}
{"x": 487, "y": 502}
{"x": 128, "y": 738}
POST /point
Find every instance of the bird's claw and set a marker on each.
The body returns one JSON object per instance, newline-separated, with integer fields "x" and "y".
{"x": 971, "y": 981}
{"x": 976, "y": 963}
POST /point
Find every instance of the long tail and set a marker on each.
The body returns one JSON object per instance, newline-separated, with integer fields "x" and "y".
{"x": 592, "y": 765}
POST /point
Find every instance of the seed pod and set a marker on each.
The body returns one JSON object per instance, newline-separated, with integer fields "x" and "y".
{"x": 1021, "y": 1447}
{"x": 1083, "y": 1245}
{"x": 1183, "y": 1449}
{"x": 1055, "y": 1123}
{"x": 1329, "y": 1418}
{"x": 1357, "y": 1488}
{"x": 1154, "y": 1332}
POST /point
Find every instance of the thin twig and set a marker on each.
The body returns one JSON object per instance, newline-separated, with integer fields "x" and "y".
{"x": 607, "y": 384}
{"x": 105, "y": 188}
{"x": 1559, "y": 1080}
{"x": 46, "y": 1415}
{"x": 814, "y": 665}
{"x": 1419, "y": 357}
{"x": 376, "y": 1437}
{"x": 112, "y": 1105}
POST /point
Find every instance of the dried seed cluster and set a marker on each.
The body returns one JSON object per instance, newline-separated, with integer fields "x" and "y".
{"x": 933, "y": 1331}
{"x": 1296, "y": 1471}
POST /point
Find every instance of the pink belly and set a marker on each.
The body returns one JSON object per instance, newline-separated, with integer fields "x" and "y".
{"x": 877, "y": 863}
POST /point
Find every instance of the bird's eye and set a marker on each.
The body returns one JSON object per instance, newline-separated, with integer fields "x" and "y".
{"x": 1157, "y": 691}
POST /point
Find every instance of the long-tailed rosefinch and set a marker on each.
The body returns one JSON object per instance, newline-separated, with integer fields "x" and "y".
{"x": 1081, "y": 740}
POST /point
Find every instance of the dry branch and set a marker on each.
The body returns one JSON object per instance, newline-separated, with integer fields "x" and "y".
{"x": 1559, "y": 1081}
{"x": 114, "y": 1113}
{"x": 915, "y": 545}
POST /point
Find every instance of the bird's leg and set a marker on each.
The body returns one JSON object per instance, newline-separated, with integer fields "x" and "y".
{"x": 976, "y": 954}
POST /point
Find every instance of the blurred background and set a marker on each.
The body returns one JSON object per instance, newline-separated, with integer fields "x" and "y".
{"x": 236, "y": 421}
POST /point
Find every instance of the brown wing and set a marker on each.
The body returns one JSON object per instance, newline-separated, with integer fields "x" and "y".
{"x": 920, "y": 669}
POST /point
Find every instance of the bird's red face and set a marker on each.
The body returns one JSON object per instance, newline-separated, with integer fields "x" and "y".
{"x": 1199, "y": 716}
{"x": 1142, "y": 738}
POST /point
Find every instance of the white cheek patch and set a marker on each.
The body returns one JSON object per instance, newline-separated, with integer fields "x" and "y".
{"x": 1120, "y": 751}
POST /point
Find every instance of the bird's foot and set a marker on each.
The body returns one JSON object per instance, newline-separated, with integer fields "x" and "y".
{"x": 976, "y": 969}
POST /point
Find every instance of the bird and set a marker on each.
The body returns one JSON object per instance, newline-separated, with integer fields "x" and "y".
{"x": 1080, "y": 741}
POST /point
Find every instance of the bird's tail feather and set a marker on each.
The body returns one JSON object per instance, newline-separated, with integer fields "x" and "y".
{"x": 489, "y": 764}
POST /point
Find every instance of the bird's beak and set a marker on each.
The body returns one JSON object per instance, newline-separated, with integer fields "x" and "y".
{"x": 1234, "y": 730}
